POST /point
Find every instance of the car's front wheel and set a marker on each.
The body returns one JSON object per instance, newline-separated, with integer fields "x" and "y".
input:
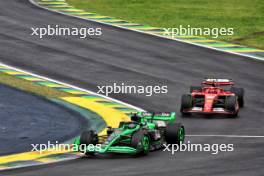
{"x": 239, "y": 92}
{"x": 231, "y": 103}
{"x": 175, "y": 133}
{"x": 87, "y": 138}
{"x": 141, "y": 142}
{"x": 186, "y": 103}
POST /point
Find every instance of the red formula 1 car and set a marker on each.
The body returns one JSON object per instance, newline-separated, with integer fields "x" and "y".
{"x": 214, "y": 96}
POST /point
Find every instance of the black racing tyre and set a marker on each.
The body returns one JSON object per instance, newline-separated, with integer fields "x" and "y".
{"x": 141, "y": 142}
{"x": 87, "y": 138}
{"x": 239, "y": 92}
{"x": 197, "y": 88}
{"x": 186, "y": 103}
{"x": 174, "y": 133}
{"x": 230, "y": 104}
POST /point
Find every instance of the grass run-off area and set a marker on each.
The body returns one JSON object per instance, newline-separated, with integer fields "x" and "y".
{"x": 246, "y": 17}
{"x": 30, "y": 87}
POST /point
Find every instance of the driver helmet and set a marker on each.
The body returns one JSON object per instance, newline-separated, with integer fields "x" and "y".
{"x": 135, "y": 117}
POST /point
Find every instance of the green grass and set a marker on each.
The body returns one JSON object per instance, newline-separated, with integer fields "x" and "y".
{"x": 31, "y": 87}
{"x": 245, "y": 16}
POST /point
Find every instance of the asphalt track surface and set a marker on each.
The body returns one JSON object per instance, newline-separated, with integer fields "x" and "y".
{"x": 125, "y": 56}
{"x": 28, "y": 119}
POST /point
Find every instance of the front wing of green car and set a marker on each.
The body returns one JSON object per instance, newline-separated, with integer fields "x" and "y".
{"x": 103, "y": 148}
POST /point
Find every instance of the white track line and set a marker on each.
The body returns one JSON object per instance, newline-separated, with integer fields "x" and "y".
{"x": 226, "y": 136}
{"x": 196, "y": 44}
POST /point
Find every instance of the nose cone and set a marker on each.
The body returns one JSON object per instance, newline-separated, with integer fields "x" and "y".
{"x": 209, "y": 101}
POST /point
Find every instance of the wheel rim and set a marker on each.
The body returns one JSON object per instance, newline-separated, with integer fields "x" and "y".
{"x": 145, "y": 143}
{"x": 181, "y": 134}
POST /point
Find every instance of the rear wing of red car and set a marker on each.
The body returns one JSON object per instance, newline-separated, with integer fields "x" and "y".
{"x": 218, "y": 82}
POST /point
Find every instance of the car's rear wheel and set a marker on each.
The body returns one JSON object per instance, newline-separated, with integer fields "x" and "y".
{"x": 230, "y": 105}
{"x": 186, "y": 103}
{"x": 87, "y": 138}
{"x": 239, "y": 92}
{"x": 196, "y": 88}
{"x": 141, "y": 142}
{"x": 175, "y": 133}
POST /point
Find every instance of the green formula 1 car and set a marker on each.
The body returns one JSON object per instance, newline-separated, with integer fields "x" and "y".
{"x": 145, "y": 132}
